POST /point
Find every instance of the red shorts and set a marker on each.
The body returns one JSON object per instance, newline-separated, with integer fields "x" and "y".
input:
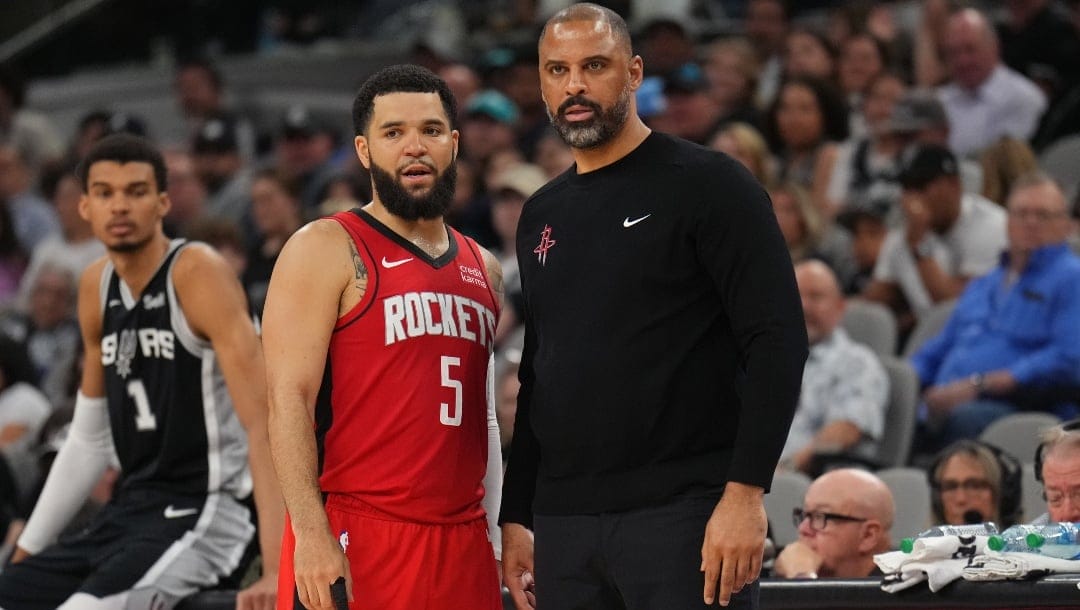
{"x": 401, "y": 565}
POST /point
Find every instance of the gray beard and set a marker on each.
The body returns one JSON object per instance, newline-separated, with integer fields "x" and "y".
{"x": 598, "y": 130}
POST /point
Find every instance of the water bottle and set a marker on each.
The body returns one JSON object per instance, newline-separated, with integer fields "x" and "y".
{"x": 1056, "y": 540}
{"x": 975, "y": 529}
{"x": 1013, "y": 539}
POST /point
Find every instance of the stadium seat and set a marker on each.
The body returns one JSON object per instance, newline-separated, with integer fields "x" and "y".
{"x": 871, "y": 324}
{"x": 1019, "y": 433}
{"x": 788, "y": 489}
{"x": 911, "y": 493}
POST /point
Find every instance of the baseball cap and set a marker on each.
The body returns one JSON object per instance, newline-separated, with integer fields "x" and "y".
{"x": 123, "y": 122}
{"x": 687, "y": 78}
{"x": 917, "y": 110}
{"x": 217, "y": 135}
{"x": 926, "y": 164}
{"x": 492, "y": 104}
{"x": 298, "y": 122}
{"x": 525, "y": 179}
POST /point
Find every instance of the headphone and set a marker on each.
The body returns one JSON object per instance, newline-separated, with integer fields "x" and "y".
{"x": 1009, "y": 495}
{"x": 1069, "y": 426}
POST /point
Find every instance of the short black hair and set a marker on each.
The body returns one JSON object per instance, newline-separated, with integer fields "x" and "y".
{"x": 124, "y": 148}
{"x": 399, "y": 78}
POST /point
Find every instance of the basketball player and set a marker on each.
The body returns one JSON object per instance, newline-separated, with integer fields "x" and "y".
{"x": 664, "y": 346}
{"x": 379, "y": 327}
{"x": 165, "y": 327}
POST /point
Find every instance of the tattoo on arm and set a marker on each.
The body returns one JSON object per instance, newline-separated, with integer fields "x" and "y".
{"x": 359, "y": 267}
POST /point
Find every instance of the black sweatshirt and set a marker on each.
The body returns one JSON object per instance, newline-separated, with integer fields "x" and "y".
{"x": 664, "y": 341}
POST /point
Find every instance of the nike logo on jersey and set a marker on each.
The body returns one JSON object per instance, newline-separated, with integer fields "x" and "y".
{"x": 115, "y": 303}
{"x": 392, "y": 264}
{"x": 176, "y": 513}
{"x": 629, "y": 223}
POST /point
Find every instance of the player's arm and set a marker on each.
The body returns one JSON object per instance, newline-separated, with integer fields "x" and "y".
{"x": 493, "y": 476}
{"x": 317, "y": 264}
{"x": 85, "y": 454}
{"x": 215, "y": 306}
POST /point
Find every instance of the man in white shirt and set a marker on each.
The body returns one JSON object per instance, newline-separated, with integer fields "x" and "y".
{"x": 844, "y": 387}
{"x": 948, "y": 237}
{"x": 985, "y": 99}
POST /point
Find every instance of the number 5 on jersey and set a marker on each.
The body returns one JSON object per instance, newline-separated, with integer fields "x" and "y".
{"x": 445, "y": 415}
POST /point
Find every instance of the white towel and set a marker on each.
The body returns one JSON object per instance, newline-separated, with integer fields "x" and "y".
{"x": 1009, "y": 566}
{"x": 939, "y": 561}
{"x": 929, "y": 549}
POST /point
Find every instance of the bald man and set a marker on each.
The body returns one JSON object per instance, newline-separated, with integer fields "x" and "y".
{"x": 844, "y": 387}
{"x": 844, "y": 521}
{"x": 984, "y": 99}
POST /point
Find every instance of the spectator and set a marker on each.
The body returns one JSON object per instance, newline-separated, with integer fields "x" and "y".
{"x": 766, "y": 26}
{"x": 868, "y": 232}
{"x": 1056, "y": 465}
{"x": 200, "y": 93}
{"x": 187, "y": 194}
{"x": 984, "y": 98}
{"x": 667, "y": 41}
{"x": 974, "y": 482}
{"x": 1039, "y": 41}
{"x": 25, "y": 130}
{"x": 46, "y": 328}
{"x": 23, "y": 410}
{"x": 867, "y": 167}
{"x": 1015, "y": 330}
{"x": 512, "y": 187}
{"x": 276, "y": 211}
{"x": 1002, "y": 163}
{"x": 844, "y": 521}
{"x": 746, "y": 145}
{"x": 32, "y": 217}
{"x": 808, "y": 53}
{"x": 489, "y": 126}
{"x": 808, "y": 234}
{"x": 463, "y": 81}
{"x": 862, "y": 59}
{"x": 844, "y": 387}
{"x": 732, "y": 67}
{"x": 948, "y": 238}
{"x": 552, "y": 154}
{"x": 304, "y": 152}
{"x": 75, "y": 247}
{"x": 225, "y": 237}
{"x": 215, "y": 151}
{"x": 918, "y": 118}
{"x": 803, "y": 127}
{"x": 690, "y": 113}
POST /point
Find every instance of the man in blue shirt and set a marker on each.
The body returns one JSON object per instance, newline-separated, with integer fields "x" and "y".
{"x": 1015, "y": 330}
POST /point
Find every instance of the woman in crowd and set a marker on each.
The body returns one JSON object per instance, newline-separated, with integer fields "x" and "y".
{"x": 974, "y": 482}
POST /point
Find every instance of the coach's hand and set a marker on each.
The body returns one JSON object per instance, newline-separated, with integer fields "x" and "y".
{"x": 317, "y": 563}
{"x": 517, "y": 565}
{"x": 734, "y": 541}
{"x": 261, "y": 595}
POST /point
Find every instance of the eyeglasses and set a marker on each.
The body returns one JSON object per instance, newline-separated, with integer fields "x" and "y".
{"x": 1056, "y": 497}
{"x": 969, "y": 485}
{"x": 1039, "y": 215}
{"x": 819, "y": 519}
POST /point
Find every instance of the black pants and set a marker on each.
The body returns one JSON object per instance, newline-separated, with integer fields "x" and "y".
{"x": 641, "y": 559}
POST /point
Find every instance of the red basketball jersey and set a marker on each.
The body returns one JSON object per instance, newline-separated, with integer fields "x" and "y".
{"x": 402, "y": 414}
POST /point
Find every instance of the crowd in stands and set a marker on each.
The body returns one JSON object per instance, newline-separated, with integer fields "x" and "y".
{"x": 901, "y": 144}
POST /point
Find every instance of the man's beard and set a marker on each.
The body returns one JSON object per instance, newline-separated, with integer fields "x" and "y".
{"x": 598, "y": 130}
{"x": 399, "y": 202}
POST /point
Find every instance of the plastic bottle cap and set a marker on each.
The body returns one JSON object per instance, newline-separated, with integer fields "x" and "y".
{"x": 907, "y": 544}
{"x": 996, "y": 543}
{"x": 1035, "y": 540}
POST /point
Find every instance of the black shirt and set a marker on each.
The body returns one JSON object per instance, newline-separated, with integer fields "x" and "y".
{"x": 664, "y": 338}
